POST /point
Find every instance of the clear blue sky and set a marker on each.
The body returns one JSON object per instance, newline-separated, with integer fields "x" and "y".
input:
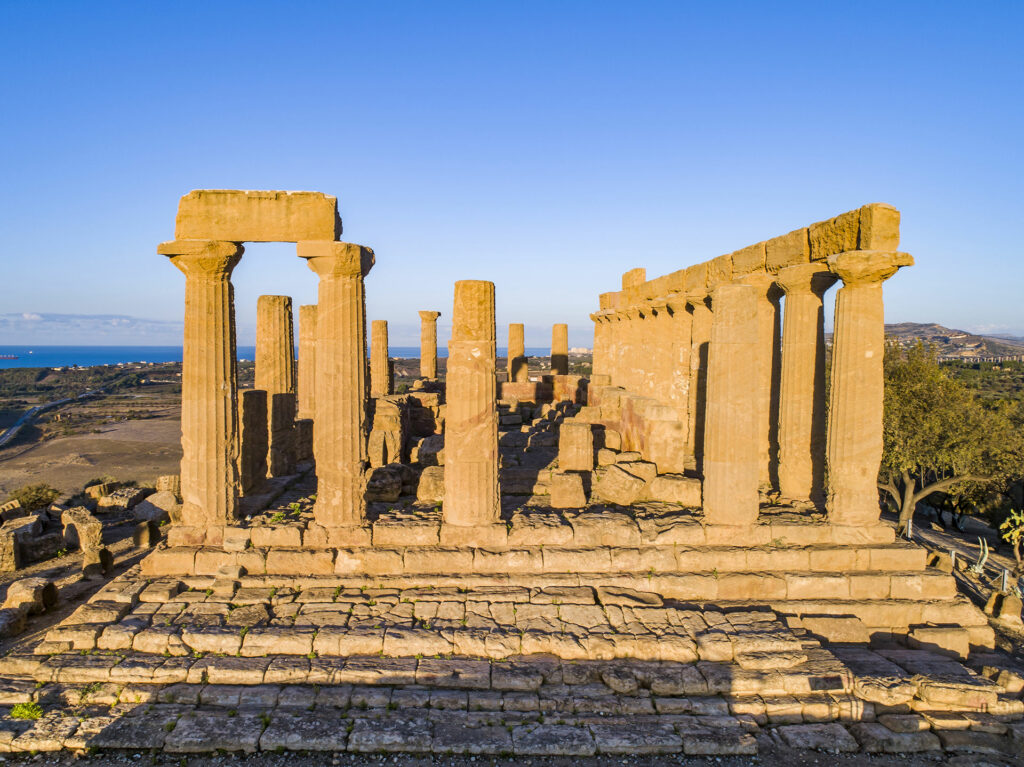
{"x": 547, "y": 146}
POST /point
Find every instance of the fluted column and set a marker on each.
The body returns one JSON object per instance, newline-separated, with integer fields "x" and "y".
{"x": 275, "y": 374}
{"x": 657, "y": 373}
{"x": 307, "y": 361}
{"x": 339, "y": 445}
{"x": 602, "y": 343}
{"x": 730, "y": 448}
{"x": 471, "y": 423}
{"x": 802, "y": 383}
{"x": 615, "y": 345}
{"x": 560, "y": 349}
{"x": 767, "y": 368}
{"x": 857, "y": 384}
{"x": 700, "y": 336}
{"x": 209, "y": 382}
{"x": 681, "y": 325}
{"x": 633, "y": 354}
{"x": 380, "y": 374}
{"x": 428, "y": 345}
{"x": 518, "y": 365}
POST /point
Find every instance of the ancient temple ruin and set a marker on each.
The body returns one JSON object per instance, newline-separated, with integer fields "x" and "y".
{"x": 667, "y": 555}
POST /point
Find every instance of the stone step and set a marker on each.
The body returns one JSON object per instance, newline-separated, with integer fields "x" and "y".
{"x": 607, "y": 556}
{"x": 409, "y": 720}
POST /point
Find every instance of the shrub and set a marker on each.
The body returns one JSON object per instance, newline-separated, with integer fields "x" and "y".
{"x": 30, "y": 710}
{"x": 32, "y": 497}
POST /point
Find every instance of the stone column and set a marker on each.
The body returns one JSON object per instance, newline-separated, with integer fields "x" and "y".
{"x": 681, "y": 328}
{"x": 560, "y": 349}
{"x": 209, "y": 382}
{"x": 857, "y": 385}
{"x": 428, "y": 345}
{"x": 602, "y": 342}
{"x": 339, "y": 440}
{"x": 802, "y": 383}
{"x": 307, "y": 361}
{"x": 700, "y": 336}
{"x": 252, "y": 439}
{"x": 380, "y": 371}
{"x": 518, "y": 365}
{"x": 632, "y": 353}
{"x": 767, "y": 367}
{"x": 730, "y": 446}
{"x": 275, "y": 374}
{"x": 471, "y": 424}
{"x": 275, "y": 345}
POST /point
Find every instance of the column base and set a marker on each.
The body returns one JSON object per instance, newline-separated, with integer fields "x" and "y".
{"x": 474, "y": 535}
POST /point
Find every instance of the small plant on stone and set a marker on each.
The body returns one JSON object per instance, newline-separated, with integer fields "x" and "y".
{"x": 714, "y": 573}
{"x": 1012, "y": 531}
{"x": 276, "y": 517}
{"x": 30, "y": 710}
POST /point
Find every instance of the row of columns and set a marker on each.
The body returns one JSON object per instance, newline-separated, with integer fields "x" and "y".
{"x": 518, "y": 363}
{"x": 749, "y": 380}
{"x": 333, "y": 384}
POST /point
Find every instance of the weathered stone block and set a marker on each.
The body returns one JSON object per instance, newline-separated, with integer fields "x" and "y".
{"x": 616, "y": 485}
{"x": 241, "y": 216}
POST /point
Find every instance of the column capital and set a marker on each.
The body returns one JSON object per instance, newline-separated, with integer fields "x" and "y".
{"x": 659, "y": 305}
{"x": 697, "y": 298}
{"x": 806, "y": 278}
{"x": 428, "y": 316}
{"x": 336, "y": 259}
{"x": 765, "y": 283}
{"x": 867, "y": 267}
{"x": 676, "y": 302}
{"x": 203, "y": 258}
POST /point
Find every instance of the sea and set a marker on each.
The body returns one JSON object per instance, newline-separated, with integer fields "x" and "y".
{"x": 87, "y": 356}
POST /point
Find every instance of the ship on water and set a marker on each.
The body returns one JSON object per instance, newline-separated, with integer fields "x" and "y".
{"x": 9, "y": 357}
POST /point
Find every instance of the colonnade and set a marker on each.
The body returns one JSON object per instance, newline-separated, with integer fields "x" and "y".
{"x": 745, "y": 370}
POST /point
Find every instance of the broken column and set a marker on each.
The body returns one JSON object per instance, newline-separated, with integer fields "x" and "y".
{"x": 252, "y": 439}
{"x": 307, "y": 361}
{"x": 518, "y": 367}
{"x": 275, "y": 374}
{"x": 209, "y": 381}
{"x": 560, "y": 349}
{"x": 471, "y": 426}
{"x": 730, "y": 446}
{"x": 380, "y": 369}
{"x": 428, "y": 345}
{"x": 802, "y": 382}
{"x": 339, "y": 445}
{"x": 857, "y": 384}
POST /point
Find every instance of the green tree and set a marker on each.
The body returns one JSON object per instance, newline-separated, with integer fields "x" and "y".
{"x": 939, "y": 436}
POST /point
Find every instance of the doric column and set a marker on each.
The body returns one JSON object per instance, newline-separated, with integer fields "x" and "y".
{"x": 339, "y": 440}
{"x": 802, "y": 383}
{"x": 730, "y": 447}
{"x": 471, "y": 422}
{"x": 307, "y": 361}
{"x": 700, "y": 336}
{"x": 209, "y": 382}
{"x": 767, "y": 366}
{"x": 518, "y": 365}
{"x": 656, "y": 379}
{"x": 602, "y": 339}
{"x": 560, "y": 349}
{"x": 681, "y": 324}
{"x": 275, "y": 374}
{"x": 252, "y": 440}
{"x": 857, "y": 384}
{"x": 613, "y": 358}
{"x": 380, "y": 371}
{"x": 428, "y": 345}
{"x": 632, "y": 355}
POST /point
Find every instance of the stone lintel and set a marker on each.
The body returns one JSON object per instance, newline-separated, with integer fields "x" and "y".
{"x": 257, "y": 216}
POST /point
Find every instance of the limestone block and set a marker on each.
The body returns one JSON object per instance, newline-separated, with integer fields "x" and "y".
{"x": 606, "y": 457}
{"x": 879, "y": 227}
{"x": 575, "y": 446}
{"x": 675, "y": 488}
{"x": 32, "y": 595}
{"x": 846, "y": 629}
{"x": 241, "y": 216}
{"x": 158, "y": 507}
{"x": 616, "y": 485}
{"x": 82, "y": 529}
{"x": 947, "y": 640}
{"x": 567, "y": 491}
{"x": 303, "y": 439}
{"x": 170, "y": 483}
{"x": 788, "y": 250}
{"x": 253, "y": 439}
{"x": 837, "y": 235}
{"x": 11, "y": 510}
{"x": 281, "y": 433}
{"x": 719, "y": 271}
{"x": 431, "y": 485}
{"x": 384, "y": 484}
{"x": 10, "y": 552}
{"x": 749, "y": 259}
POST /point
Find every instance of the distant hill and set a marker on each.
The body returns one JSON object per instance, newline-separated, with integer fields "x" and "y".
{"x": 955, "y": 344}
